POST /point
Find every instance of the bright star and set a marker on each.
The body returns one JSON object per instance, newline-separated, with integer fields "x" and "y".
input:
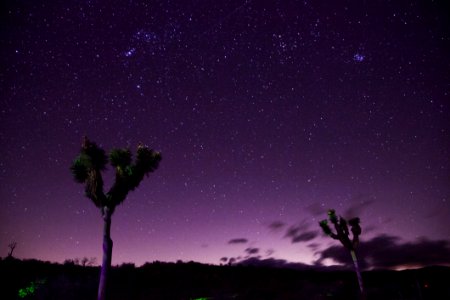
{"x": 130, "y": 52}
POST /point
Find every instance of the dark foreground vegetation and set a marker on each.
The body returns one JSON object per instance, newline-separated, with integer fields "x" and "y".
{"x": 32, "y": 279}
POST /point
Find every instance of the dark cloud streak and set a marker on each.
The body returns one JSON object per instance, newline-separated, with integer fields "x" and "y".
{"x": 276, "y": 225}
{"x": 300, "y": 233}
{"x": 252, "y": 251}
{"x": 238, "y": 241}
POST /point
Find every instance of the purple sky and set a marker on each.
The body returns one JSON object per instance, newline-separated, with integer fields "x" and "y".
{"x": 267, "y": 113}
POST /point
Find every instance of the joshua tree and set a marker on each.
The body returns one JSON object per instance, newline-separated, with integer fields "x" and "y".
{"x": 87, "y": 168}
{"x": 342, "y": 234}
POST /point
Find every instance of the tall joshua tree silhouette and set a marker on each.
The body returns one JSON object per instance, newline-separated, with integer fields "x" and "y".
{"x": 87, "y": 168}
{"x": 342, "y": 234}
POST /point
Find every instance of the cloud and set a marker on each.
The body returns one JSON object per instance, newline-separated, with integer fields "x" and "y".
{"x": 276, "y": 225}
{"x": 299, "y": 233}
{"x": 385, "y": 251}
{"x": 251, "y": 251}
{"x": 238, "y": 241}
{"x": 305, "y": 237}
{"x": 313, "y": 246}
{"x": 292, "y": 231}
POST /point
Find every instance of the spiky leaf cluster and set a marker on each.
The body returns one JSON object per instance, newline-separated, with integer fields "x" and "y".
{"x": 91, "y": 158}
{"x": 324, "y": 225}
{"x": 332, "y": 215}
{"x": 79, "y": 169}
{"x": 87, "y": 168}
{"x": 147, "y": 160}
{"x": 94, "y": 155}
{"x": 120, "y": 158}
{"x": 355, "y": 227}
{"x": 342, "y": 231}
{"x": 128, "y": 177}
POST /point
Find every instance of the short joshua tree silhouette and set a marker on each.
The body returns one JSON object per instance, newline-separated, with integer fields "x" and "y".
{"x": 11, "y": 247}
{"x": 342, "y": 234}
{"x": 87, "y": 168}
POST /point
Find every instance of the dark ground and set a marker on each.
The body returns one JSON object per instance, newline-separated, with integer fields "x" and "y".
{"x": 174, "y": 281}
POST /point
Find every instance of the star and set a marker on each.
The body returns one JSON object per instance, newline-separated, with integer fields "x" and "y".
{"x": 130, "y": 52}
{"x": 358, "y": 57}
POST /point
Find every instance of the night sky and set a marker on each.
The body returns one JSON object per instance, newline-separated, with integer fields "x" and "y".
{"x": 267, "y": 114}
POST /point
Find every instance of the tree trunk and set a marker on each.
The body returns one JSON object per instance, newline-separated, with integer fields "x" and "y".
{"x": 358, "y": 273}
{"x": 107, "y": 253}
